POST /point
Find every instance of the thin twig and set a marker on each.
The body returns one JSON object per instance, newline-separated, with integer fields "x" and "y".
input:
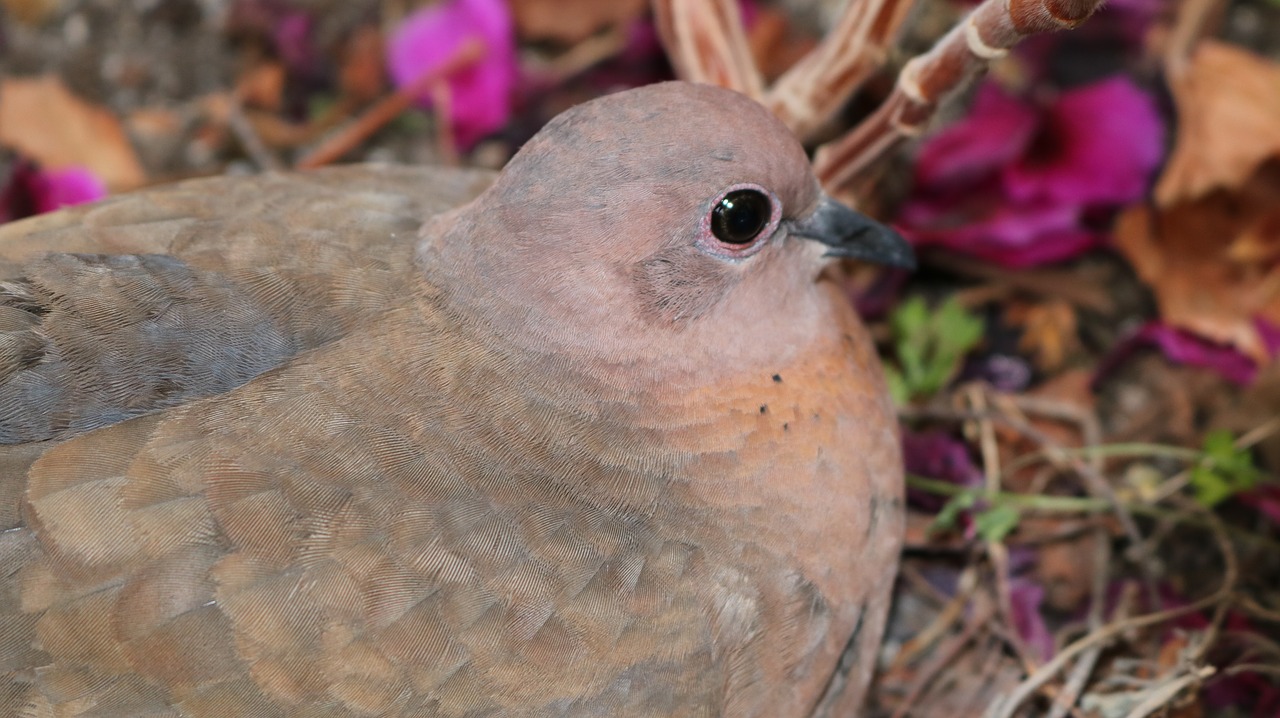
{"x": 1195, "y": 19}
{"x": 1032, "y": 683}
{"x": 249, "y": 139}
{"x": 387, "y": 109}
{"x": 706, "y": 42}
{"x": 815, "y": 88}
{"x": 997, "y": 552}
{"x": 1157, "y": 698}
{"x": 942, "y": 657}
{"x": 1065, "y": 701}
{"x": 962, "y": 54}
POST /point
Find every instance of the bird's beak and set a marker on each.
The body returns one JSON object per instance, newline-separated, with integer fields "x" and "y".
{"x": 851, "y": 234}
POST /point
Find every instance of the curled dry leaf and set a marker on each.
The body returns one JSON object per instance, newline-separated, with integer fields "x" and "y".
{"x": 1228, "y": 121}
{"x": 1211, "y": 262}
{"x": 1049, "y": 331}
{"x": 40, "y": 118}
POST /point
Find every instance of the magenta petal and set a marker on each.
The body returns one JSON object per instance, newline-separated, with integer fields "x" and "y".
{"x": 1187, "y": 348}
{"x": 1182, "y": 347}
{"x": 1270, "y": 335}
{"x": 995, "y": 132}
{"x": 481, "y": 94}
{"x": 1099, "y": 145}
{"x": 54, "y": 189}
{"x": 1025, "y": 597}
{"x": 1012, "y": 235}
{"x": 1265, "y": 500}
{"x": 936, "y": 455}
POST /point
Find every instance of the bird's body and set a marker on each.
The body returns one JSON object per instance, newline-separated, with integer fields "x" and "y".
{"x": 476, "y": 469}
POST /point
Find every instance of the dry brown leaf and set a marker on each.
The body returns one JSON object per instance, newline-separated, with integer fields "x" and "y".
{"x": 262, "y": 86}
{"x": 30, "y": 12}
{"x": 571, "y": 21}
{"x": 1211, "y": 262}
{"x": 1049, "y": 330}
{"x": 40, "y": 118}
{"x": 1228, "y": 121}
{"x": 363, "y": 77}
{"x": 1065, "y": 563}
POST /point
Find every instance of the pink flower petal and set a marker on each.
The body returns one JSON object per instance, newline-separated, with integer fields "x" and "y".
{"x": 29, "y": 190}
{"x": 1182, "y": 347}
{"x": 1020, "y": 186}
{"x": 995, "y": 133}
{"x": 1097, "y": 145}
{"x": 1010, "y": 234}
{"x": 1270, "y": 334}
{"x": 56, "y": 189}
{"x": 1265, "y": 500}
{"x": 937, "y": 455}
{"x": 481, "y": 94}
{"x": 1025, "y": 597}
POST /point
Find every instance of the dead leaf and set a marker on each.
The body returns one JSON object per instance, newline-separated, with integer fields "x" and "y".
{"x": 31, "y": 12}
{"x": 1211, "y": 261}
{"x": 262, "y": 86}
{"x": 1049, "y": 331}
{"x": 571, "y": 21}
{"x": 1064, "y": 566}
{"x": 363, "y": 77}
{"x": 40, "y": 118}
{"x": 1228, "y": 121}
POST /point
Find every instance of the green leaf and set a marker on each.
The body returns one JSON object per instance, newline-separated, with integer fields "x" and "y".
{"x": 897, "y": 386}
{"x": 1223, "y": 471}
{"x": 931, "y": 344}
{"x": 946, "y": 518}
{"x": 996, "y": 522}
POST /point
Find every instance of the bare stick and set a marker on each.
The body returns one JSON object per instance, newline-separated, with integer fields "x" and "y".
{"x": 961, "y": 55}
{"x": 390, "y": 107}
{"x": 706, "y": 42}
{"x": 814, "y": 89}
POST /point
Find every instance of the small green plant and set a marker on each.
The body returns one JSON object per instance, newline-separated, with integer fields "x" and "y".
{"x": 1224, "y": 470}
{"x": 992, "y": 523}
{"x": 929, "y": 345}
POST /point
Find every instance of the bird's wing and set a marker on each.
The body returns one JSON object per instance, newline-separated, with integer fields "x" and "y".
{"x": 364, "y": 530}
{"x": 151, "y": 299}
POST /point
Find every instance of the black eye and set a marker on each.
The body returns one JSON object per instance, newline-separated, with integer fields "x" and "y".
{"x": 740, "y": 216}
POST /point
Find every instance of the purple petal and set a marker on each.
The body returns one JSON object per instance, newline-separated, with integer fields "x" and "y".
{"x": 291, "y": 36}
{"x": 1010, "y": 234}
{"x": 1009, "y": 374}
{"x": 1025, "y": 597}
{"x": 995, "y": 133}
{"x": 937, "y": 455}
{"x": 30, "y": 190}
{"x": 1270, "y": 335}
{"x": 1018, "y": 186}
{"x": 480, "y": 94}
{"x": 1097, "y": 145}
{"x": 62, "y": 188}
{"x": 1182, "y": 347}
{"x": 1265, "y": 500}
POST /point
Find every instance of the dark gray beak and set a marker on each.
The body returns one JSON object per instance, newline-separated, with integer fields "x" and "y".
{"x": 851, "y": 234}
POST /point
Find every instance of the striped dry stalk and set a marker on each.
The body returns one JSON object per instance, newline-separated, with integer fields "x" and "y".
{"x": 706, "y": 43}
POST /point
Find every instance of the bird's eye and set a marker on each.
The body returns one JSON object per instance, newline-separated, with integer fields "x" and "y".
{"x": 740, "y": 216}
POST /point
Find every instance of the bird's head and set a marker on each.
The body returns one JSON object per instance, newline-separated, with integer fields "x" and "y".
{"x": 676, "y": 207}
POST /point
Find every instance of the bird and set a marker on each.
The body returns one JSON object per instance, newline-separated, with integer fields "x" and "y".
{"x": 595, "y": 435}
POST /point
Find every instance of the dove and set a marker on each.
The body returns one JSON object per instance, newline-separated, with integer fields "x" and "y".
{"x": 593, "y": 436}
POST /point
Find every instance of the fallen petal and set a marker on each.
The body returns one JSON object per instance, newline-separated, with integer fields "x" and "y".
{"x": 1096, "y": 145}
{"x": 480, "y": 96}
